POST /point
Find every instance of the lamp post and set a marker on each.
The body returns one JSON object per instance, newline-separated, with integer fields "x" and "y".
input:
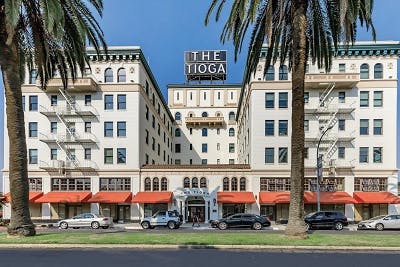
{"x": 319, "y": 168}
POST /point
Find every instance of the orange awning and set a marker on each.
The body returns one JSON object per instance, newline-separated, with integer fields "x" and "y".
{"x": 376, "y": 197}
{"x": 32, "y": 196}
{"x": 111, "y": 197}
{"x": 152, "y": 197}
{"x": 65, "y": 197}
{"x": 274, "y": 197}
{"x": 235, "y": 197}
{"x": 328, "y": 198}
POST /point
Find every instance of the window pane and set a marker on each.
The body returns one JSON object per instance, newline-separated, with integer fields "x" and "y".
{"x": 378, "y": 98}
{"x": 283, "y": 100}
{"x": 283, "y": 127}
{"x": 269, "y": 155}
{"x": 283, "y": 157}
{"x": 364, "y": 99}
{"x": 269, "y": 127}
{"x": 121, "y": 101}
{"x": 377, "y": 155}
{"x": 269, "y": 100}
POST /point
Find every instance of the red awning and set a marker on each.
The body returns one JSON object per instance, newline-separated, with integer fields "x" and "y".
{"x": 32, "y": 196}
{"x": 65, "y": 197}
{"x": 274, "y": 197}
{"x": 152, "y": 197}
{"x": 111, "y": 197}
{"x": 235, "y": 197}
{"x": 328, "y": 198}
{"x": 376, "y": 197}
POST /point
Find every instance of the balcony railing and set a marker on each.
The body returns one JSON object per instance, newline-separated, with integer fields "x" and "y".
{"x": 322, "y": 80}
{"x": 85, "y": 84}
{"x": 60, "y": 165}
{"x": 68, "y": 138}
{"x": 67, "y": 110}
{"x": 204, "y": 121}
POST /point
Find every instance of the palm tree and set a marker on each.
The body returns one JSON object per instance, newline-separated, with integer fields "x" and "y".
{"x": 50, "y": 35}
{"x": 295, "y": 31}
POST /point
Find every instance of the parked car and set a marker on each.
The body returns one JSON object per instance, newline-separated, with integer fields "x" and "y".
{"x": 168, "y": 219}
{"x": 242, "y": 220}
{"x": 326, "y": 219}
{"x": 92, "y": 220}
{"x": 381, "y": 222}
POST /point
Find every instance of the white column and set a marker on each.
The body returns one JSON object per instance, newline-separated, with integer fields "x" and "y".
{"x": 46, "y": 213}
{"x": 206, "y": 210}
{"x": 95, "y": 208}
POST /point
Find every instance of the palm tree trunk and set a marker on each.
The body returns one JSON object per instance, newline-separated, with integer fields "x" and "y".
{"x": 20, "y": 223}
{"x": 296, "y": 226}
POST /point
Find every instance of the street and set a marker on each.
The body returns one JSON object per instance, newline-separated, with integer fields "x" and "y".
{"x": 191, "y": 257}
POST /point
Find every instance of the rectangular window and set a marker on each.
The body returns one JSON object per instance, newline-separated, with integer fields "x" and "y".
{"x": 88, "y": 153}
{"x": 341, "y": 152}
{"x": 204, "y": 161}
{"x": 70, "y": 184}
{"x": 231, "y": 161}
{"x": 53, "y": 127}
{"x": 342, "y": 67}
{"x": 269, "y": 155}
{"x": 283, "y": 127}
{"x": 283, "y": 100}
{"x": 108, "y": 156}
{"x": 121, "y": 128}
{"x": 121, "y": 155}
{"x": 158, "y": 129}
{"x": 363, "y": 154}
{"x": 33, "y": 156}
{"x": 108, "y": 102}
{"x": 147, "y": 137}
{"x": 33, "y": 129}
{"x": 88, "y": 127}
{"x": 378, "y": 98}
{"x": 231, "y": 147}
{"x": 342, "y": 97}
{"x": 377, "y": 155}
{"x": 364, "y": 123}
{"x": 53, "y": 154}
{"x": 115, "y": 184}
{"x": 153, "y": 121}
{"x": 269, "y": 100}
{"x": 33, "y": 103}
{"x": 147, "y": 159}
{"x": 108, "y": 129}
{"x": 153, "y": 144}
{"x": 177, "y": 148}
{"x": 364, "y": 99}
{"x": 306, "y": 97}
{"x": 306, "y": 125}
{"x": 158, "y": 149}
{"x": 342, "y": 125}
{"x": 190, "y": 147}
{"x": 147, "y": 88}
{"x": 269, "y": 127}
{"x": 283, "y": 155}
{"x": 53, "y": 100}
{"x": 378, "y": 126}
{"x": 23, "y": 103}
{"x": 88, "y": 100}
{"x": 121, "y": 102}
{"x": 204, "y": 148}
{"x": 306, "y": 152}
{"x": 147, "y": 112}
{"x": 177, "y": 162}
{"x": 35, "y": 184}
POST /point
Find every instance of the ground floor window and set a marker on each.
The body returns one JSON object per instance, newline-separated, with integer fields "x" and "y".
{"x": 35, "y": 210}
{"x": 150, "y": 209}
{"x": 119, "y": 213}
{"x": 367, "y": 211}
{"x": 229, "y": 209}
{"x": 65, "y": 211}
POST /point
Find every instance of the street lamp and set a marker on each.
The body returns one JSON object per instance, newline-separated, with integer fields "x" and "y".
{"x": 319, "y": 168}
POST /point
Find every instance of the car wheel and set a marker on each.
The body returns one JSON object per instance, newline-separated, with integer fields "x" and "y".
{"x": 222, "y": 226}
{"x": 308, "y": 226}
{"x": 379, "y": 227}
{"x": 257, "y": 226}
{"x": 338, "y": 226}
{"x": 95, "y": 225}
{"x": 64, "y": 225}
{"x": 105, "y": 227}
{"x": 171, "y": 225}
{"x": 145, "y": 225}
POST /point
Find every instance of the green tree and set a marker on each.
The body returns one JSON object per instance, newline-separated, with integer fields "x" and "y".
{"x": 295, "y": 31}
{"x": 50, "y": 36}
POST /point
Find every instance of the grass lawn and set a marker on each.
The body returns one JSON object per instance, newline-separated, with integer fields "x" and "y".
{"x": 371, "y": 240}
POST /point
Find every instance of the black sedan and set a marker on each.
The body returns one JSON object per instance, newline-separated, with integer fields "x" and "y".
{"x": 242, "y": 220}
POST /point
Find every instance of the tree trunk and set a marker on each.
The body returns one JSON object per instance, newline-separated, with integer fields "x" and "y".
{"x": 296, "y": 226}
{"x": 20, "y": 223}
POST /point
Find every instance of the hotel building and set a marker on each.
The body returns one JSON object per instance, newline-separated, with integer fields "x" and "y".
{"x": 111, "y": 144}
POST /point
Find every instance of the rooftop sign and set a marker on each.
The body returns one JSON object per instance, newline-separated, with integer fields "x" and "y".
{"x": 205, "y": 65}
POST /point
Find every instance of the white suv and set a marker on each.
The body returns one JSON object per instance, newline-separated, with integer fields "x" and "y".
{"x": 162, "y": 218}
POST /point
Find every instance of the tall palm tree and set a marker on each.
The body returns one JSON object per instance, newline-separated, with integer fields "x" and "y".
{"x": 49, "y": 35}
{"x": 295, "y": 31}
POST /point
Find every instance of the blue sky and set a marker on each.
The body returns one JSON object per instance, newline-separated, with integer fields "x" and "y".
{"x": 166, "y": 28}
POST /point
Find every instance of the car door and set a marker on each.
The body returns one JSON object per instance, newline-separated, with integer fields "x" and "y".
{"x": 160, "y": 219}
{"x": 247, "y": 220}
{"x": 87, "y": 219}
{"x": 318, "y": 219}
{"x": 329, "y": 219}
{"x": 389, "y": 222}
{"x": 76, "y": 221}
{"x": 234, "y": 220}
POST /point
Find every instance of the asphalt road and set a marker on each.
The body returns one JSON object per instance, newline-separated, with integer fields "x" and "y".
{"x": 191, "y": 258}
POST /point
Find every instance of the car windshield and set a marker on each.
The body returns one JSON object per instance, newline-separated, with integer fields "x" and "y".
{"x": 378, "y": 217}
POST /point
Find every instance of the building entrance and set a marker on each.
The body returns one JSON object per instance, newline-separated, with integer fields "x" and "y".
{"x": 195, "y": 206}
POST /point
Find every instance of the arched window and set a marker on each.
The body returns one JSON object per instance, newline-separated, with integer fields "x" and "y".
{"x": 231, "y": 116}
{"x": 234, "y": 184}
{"x": 195, "y": 182}
{"x": 177, "y": 132}
{"x": 225, "y": 184}
{"x": 231, "y": 132}
{"x": 283, "y": 73}
{"x": 218, "y": 114}
{"x": 270, "y": 75}
{"x": 121, "y": 75}
{"x": 204, "y": 114}
{"x": 108, "y": 75}
{"x": 378, "y": 71}
{"x": 156, "y": 184}
{"x": 147, "y": 184}
{"x": 178, "y": 116}
{"x": 32, "y": 76}
{"x": 190, "y": 114}
{"x": 204, "y": 132}
{"x": 364, "y": 71}
{"x": 203, "y": 182}
{"x": 242, "y": 184}
{"x": 164, "y": 184}
{"x": 186, "y": 182}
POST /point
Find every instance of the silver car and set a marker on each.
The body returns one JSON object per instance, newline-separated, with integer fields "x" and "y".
{"x": 92, "y": 220}
{"x": 381, "y": 222}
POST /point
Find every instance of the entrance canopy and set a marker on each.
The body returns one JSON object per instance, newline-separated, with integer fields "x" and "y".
{"x": 32, "y": 196}
{"x": 235, "y": 197}
{"x": 65, "y": 197}
{"x": 328, "y": 198}
{"x": 274, "y": 197}
{"x": 111, "y": 197}
{"x": 376, "y": 198}
{"x": 152, "y": 197}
